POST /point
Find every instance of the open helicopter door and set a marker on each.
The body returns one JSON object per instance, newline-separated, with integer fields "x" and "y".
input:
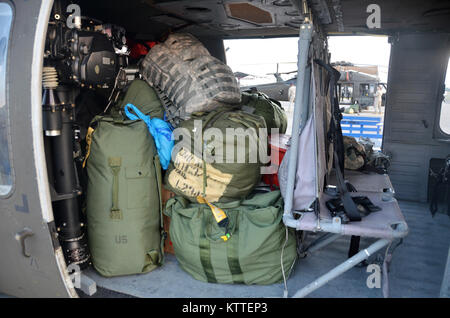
{"x": 31, "y": 262}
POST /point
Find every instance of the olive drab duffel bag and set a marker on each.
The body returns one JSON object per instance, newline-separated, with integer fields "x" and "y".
{"x": 193, "y": 80}
{"x": 142, "y": 94}
{"x": 211, "y": 170}
{"x": 123, "y": 197}
{"x": 258, "y": 250}
{"x": 271, "y": 110}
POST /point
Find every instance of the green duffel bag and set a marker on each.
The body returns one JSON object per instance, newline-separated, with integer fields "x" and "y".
{"x": 224, "y": 179}
{"x": 253, "y": 254}
{"x": 123, "y": 197}
{"x": 271, "y": 110}
{"x": 142, "y": 94}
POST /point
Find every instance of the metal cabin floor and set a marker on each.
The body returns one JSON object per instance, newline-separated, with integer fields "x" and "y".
{"x": 416, "y": 270}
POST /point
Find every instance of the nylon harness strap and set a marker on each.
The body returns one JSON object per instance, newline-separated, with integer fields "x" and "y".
{"x": 350, "y": 207}
{"x": 205, "y": 126}
{"x": 205, "y": 259}
{"x": 233, "y": 259}
{"x": 172, "y": 113}
{"x": 442, "y": 179}
{"x": 205, "y": 255}
{"x": 336, "y": 133}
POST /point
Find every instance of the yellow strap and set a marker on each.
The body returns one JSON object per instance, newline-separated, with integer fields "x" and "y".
{"x": 218, "y": 213}
{"x": 89, "y": 133}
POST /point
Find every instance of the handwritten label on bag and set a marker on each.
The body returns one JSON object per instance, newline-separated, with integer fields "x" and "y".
{"x": 187, "y": 177}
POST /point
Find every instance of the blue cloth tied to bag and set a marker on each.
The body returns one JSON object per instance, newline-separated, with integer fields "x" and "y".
{"x": 160, "y": 131}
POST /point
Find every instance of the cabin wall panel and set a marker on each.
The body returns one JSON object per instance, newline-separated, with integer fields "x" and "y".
{"x": 415, "y": 73}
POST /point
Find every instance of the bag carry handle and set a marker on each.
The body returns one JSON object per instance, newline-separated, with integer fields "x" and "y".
{"x": 114, "y": 164}
{"x": 222, "y": 205}
{"x": 186, "y": 204}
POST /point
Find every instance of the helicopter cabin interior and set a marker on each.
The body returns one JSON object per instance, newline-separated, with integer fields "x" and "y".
{"x": 35, "y": 199}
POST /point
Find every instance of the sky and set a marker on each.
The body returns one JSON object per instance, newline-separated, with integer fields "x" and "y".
{"x": 260, "y": 56}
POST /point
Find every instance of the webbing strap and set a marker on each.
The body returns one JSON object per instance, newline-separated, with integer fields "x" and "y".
{"x": 336, "y": 133}
{"x": 205, "y": 258}
{"x": 205, "y": 179}
{"x": 89, "y": 133}
{"x": 205, "y": 126}
{"x": 172, "y": 113}
{"x": 157, "y": 165}
{"x": 349, "y": 206}
{"x": 354, "y": 245}
{"x": 233, "y": 260}
{"x": 115, "y": 163}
